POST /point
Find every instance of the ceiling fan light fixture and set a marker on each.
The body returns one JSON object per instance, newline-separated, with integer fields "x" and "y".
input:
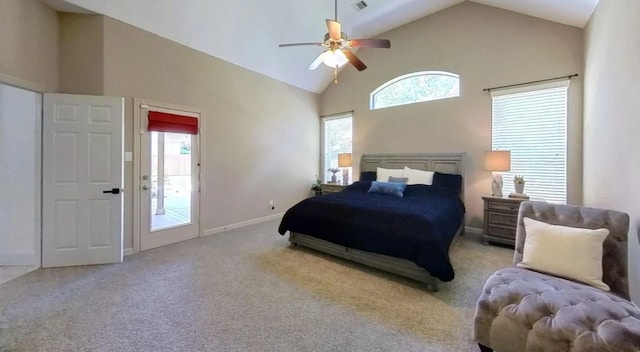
{"x": 333, "y": 58}
{"x": 337, "y": 44}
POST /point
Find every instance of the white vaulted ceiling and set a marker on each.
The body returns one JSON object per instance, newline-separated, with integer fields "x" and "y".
{"x": 247, "y": 33}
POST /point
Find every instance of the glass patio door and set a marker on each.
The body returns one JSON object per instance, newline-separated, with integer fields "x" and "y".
{"x": 170, "y": 188}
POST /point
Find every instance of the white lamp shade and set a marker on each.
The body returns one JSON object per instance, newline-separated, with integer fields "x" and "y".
{"x": 344, "y": 159}
{"x": 497, "y": 160}
{"x": 333, "y": 58}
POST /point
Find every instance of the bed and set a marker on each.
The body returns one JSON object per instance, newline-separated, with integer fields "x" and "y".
{"x": 410, "y": 236}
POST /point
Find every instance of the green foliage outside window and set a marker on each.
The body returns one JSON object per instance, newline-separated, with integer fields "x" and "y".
{"x": 415, "y": 88}
{"x": 185, "y": 148}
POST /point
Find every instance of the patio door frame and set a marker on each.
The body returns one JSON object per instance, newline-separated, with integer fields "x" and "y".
{"x": 140, "y": 105}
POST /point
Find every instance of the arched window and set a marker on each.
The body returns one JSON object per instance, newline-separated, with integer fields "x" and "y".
{"x": 415, "y": 88}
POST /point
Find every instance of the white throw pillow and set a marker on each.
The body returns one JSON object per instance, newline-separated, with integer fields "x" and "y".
{"x": 418, "y": 177}
{"x": 563, "y": 251}
{"x": 382, "y": 175}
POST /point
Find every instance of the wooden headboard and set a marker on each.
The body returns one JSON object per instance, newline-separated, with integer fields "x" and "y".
{"x": 448, "y": 163}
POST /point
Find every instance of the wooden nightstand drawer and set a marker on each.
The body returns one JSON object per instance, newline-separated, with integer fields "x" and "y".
{"x": 502, "y": 219}
{"x": 332, "y": 187}
{"x": 500, "y": 206}
{"x": 504, "y": 232}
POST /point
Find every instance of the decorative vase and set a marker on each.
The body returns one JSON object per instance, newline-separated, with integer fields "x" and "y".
{"x": 519, "y": 187}
{"x": 334, "y": 178}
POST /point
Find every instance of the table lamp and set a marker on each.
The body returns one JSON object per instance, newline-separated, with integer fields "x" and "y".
{"x": 496, "y": 161}
{"x": 344, "y": 161}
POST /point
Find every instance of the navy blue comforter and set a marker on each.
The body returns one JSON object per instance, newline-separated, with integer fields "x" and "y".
{"x": 418, "y": 226}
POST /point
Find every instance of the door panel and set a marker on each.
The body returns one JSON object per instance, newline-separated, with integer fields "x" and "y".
{"x": 82, "y": 158}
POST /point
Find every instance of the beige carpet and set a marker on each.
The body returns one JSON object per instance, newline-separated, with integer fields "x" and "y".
{"x": 242, "y": 290}
{"x": 442, "y": 318}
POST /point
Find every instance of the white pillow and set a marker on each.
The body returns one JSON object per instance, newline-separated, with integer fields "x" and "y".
{"x": 418, "y": 176}
{"x": 568, "y": 252}
{"x": 382, "y": 175}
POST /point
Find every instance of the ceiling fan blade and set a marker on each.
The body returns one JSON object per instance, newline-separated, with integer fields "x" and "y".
{"x": 299, "y": 44}
{"x": 335, "y": 30}
{"x": 353, "y": 59}
{"x": 370, "y": 43}
{"x": 316, "y": 62}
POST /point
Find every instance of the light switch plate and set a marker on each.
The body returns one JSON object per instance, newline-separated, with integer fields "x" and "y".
{"x": 128, "y": 156}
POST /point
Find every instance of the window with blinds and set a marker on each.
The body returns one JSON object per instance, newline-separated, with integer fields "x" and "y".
{"x": 531, "y": 122}
{"x": 337, "y": 138}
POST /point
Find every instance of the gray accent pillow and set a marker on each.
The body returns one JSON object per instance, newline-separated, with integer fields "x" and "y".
{"x": 395, "y": 189}
{"x": 398, "y": 179}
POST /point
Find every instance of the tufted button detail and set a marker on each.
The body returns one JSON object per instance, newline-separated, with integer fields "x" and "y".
{"x": 570, "y": 315}
{"x": 527, "y": 297}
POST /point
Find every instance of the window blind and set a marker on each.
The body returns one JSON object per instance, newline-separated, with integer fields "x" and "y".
{"x": 532, "y": 124}
{"x": 164, "y": 122}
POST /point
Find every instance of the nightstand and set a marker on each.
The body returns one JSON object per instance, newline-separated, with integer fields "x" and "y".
{"x": 500, "y": 219}
{"x": 332, "y": 187}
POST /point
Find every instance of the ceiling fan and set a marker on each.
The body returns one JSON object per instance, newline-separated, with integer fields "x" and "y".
{"x": 337, "y": 53}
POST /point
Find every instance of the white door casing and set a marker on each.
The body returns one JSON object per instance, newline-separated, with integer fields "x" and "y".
{"x": 149, "y": 238}
{"x": 82, "y": 158}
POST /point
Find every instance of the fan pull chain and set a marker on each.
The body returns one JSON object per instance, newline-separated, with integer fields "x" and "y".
{"x": 335, "y": 75}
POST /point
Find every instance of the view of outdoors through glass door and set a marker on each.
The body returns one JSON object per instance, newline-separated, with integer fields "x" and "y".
{"x": 170, "y": 180}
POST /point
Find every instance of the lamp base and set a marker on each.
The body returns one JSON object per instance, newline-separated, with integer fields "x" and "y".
{"x": 345, "y": 176}
{"x": 496, "y": 185}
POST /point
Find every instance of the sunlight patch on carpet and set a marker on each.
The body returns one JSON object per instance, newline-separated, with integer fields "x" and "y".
{"x": 389, "y": 299}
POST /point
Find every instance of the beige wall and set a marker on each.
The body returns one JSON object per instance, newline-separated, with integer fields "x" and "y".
{"x": 81, "y": 54}
{"x": 611, "y": 117}
{"x": 260, "y": 135}
{"x": 487, "y": 47}
{"x": 28, "y": 44}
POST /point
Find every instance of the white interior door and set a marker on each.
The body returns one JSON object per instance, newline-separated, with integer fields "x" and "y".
{"x": 169, "y": 184}
{"x": 82, "y": 180}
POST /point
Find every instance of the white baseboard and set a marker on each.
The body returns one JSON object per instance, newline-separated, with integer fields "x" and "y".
{"x": 241, "y": 224}
{"x": 18, "y": 258}
{"x": 473, "y": 230}
{"x": 128, "y": 251}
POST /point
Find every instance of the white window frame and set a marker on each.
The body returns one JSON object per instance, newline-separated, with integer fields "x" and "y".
{"x": 323, "y": 175}
{"x": 391, "y": 82}
{"x": 541, "y": 182}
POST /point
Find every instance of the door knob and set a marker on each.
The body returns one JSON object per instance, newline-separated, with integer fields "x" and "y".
{"x": 144, "y": 188}
{"x": 112, "y": 191}
{"x": 145, "y": 177}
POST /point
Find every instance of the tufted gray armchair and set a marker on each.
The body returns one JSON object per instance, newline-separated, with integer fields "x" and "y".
{"x": 524, "y": 310}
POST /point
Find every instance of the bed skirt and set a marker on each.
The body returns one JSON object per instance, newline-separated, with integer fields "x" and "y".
{"x": 399, "y": 266}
